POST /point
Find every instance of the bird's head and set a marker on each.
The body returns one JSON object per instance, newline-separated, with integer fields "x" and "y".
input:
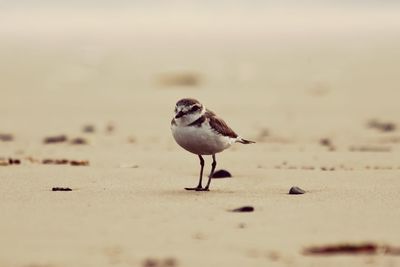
{"x": 188, "y": 110}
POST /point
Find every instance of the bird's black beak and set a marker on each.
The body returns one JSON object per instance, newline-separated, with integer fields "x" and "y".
{"x": 179, "y": 114}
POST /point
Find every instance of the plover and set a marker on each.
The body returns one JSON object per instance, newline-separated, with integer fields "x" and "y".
{"x": 200, "y": 131}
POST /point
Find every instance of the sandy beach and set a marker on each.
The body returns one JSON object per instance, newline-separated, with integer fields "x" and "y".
{"x": 322, "y": 107}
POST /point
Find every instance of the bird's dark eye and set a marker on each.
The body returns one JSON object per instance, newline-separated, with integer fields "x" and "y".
{"x": 176, "y": 109}
{"x": 195, "y": 108}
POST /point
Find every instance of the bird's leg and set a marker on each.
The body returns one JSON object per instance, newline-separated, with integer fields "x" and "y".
{"x": 199, "y": 186}
{"x": 213, "y": 165}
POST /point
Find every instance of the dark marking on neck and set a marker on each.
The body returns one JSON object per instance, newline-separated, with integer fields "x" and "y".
{"x": 198, "y": 122}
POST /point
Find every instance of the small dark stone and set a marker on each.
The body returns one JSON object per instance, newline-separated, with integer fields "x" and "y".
{"x": 4, "y": 162}
{"x": 61, "y": 189}
{"x": 79, "y": 163}
{"x": 388, "y": 127}
{"x": 382, "y": 126}
{"x": 244, "y": 209}
{"x": 325, "y": 142}
{"x": 170, "y": 262}
{"x": 6, "y": 137}
{"x": 79, "y": 141}
{"x": 61, "y": 161}
{"x": 296, "y": 191}
{"x": 55, "y": 161}
{"x": 150, "y": 263}
{"x": 367, "y": 248}
{"x": 55, "y": 139}
{"x": 14, "y": 161}
{"x": 110, "y": 127}
{"x": 88, "y": 128}
{"x": 242, "y": 225}
{"x": 131, "y": 139}
{"x": 222, "y": 174}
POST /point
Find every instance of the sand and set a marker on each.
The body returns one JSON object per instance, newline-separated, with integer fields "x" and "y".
{"x": 129, "y": 206}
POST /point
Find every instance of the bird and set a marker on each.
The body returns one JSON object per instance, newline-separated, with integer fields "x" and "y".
{"x": 200, "y": 131}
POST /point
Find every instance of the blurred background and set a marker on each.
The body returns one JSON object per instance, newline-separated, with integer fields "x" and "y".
{"x": 289, "y": 65}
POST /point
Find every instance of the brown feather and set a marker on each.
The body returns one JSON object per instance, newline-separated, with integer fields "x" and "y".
{"x": 219, "y": 125}
{"x": 198, "y": 122}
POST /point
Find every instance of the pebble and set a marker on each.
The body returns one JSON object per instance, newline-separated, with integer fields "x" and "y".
{"x": 295, "y": 190}
{"x": 10, "y": 161}
{"x": 6, "y": 137}
{"x": 345, "y": 248}
{"x": 244, "y": 209}
{"x": 55, "y": 139}
{"x": 150, "y": 263}
{"x": 222, "y": 174}
{"x": 4, "y": 162}
{"x": 79, "y": 141}
{"x": 79, "y": 162}
{"x": 61, "y": 189}
{"x": 110, "y": 127}
{"x": 88, "y": 128}
{"x": 55, "y": 161}
{"x": 168, "y": 262}
{"x": 242, "y": 225}
{"x": 14, "y": 161}
{"x": 325, "y": 142}
{"x": 382, "y": 126}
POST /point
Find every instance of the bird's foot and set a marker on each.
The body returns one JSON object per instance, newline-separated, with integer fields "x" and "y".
{"x": 198, "y": 188}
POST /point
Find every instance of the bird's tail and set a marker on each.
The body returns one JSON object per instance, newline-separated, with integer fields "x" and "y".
{"x": 244, "y": 141}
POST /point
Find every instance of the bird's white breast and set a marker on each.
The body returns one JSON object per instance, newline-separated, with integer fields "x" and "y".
{"x": 200, "y": 140}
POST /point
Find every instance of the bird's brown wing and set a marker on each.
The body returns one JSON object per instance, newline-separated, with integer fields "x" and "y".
{"x": 219, "y": 125}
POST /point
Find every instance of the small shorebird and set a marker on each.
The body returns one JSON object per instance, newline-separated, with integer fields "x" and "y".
{"x": 200, "y": 131}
